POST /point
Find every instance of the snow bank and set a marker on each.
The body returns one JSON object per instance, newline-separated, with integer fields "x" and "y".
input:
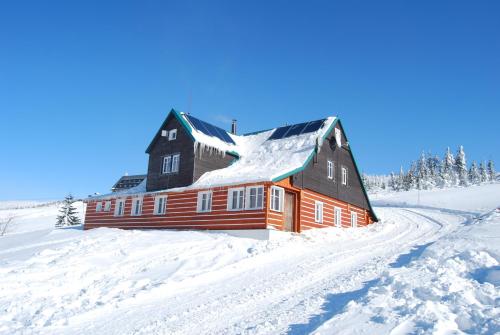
{"x": 454, "y": 286}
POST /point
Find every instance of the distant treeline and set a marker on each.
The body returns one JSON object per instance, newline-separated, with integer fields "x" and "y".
{"x": 431, "y": 171}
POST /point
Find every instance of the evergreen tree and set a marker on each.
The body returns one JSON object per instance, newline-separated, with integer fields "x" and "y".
{"x": 461, "y": 167}
{"x": 67, "y": 216}
{"x": 411, "y": 179}
{"x": 474, "y": 176}
{"x": 423, "y": 173}
{"x": 392, "y": 182}
{"x": 401, "y": 179}
{"x": 448, "y": 175}
{"x": 483, "y": 173}
{"x": 491, "y": 171}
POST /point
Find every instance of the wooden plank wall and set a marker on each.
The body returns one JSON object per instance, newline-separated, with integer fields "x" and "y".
{"x": 181, "y": 213}
{"x": 307, "y": 214}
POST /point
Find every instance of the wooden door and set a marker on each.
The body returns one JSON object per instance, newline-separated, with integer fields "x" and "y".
{"x": 289, "y": 212}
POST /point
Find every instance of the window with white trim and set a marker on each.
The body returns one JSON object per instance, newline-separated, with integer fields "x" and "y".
{"x": 170, "y": 164}
{"x": 277, "y": 194}
{"x": 136, "y": 207}
{"x": 120, "y": 207}
{"x": 98, "y": 207}
{"x": 160, "y": 205}
{"x": 330, "y": 169}
{"x": 107, "y": 206}
{"x": 354, "y": 219}
{"x": 344, "y": 176}
{"x": 175, "y": 162}
{"x": 235, "y": 199}
{"x": 318, "y": 212}
{"x": 254, "y": 197}
{"x": 338, "y": 216}
{"x": 172, "y": 134}
{"x": 204, "y": 201}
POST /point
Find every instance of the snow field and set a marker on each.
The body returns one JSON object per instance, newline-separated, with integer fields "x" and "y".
{"x": 425, "y": 268}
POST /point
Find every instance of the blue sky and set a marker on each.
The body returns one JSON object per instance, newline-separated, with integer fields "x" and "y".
{"x": 84, "y": 85}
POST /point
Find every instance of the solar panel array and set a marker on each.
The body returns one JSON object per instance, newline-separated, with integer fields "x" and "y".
{"x": 210, "y": 130}
{"x": 297, "y": 129}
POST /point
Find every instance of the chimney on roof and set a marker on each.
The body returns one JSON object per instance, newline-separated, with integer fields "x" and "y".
{"x": 233, "y": 127}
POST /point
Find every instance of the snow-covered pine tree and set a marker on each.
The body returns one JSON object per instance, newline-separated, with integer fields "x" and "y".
{"x": 492, "y": 175}
{"x": 392, "y": 182}
{"x": 411, "y": 180}
{"x": 423, "y": 173}
{"x": 461, "y": 167}
{"x": 474, "y": 176}
{"x": 483, "y": 173}
{"x": 448, "y": 175}
{"x": 401, "y": 179}
{"x": 67, "y": 216}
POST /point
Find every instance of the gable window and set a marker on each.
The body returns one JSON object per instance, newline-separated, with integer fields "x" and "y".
{"x": 172, "y": 135}
{"x": 120, "y": 207}
{"x": 354, "y": 219}
{"x": 318, "y": 211}
{"x": 136, "y": 207}
{"x": 338, "y": 217}
{"x": 175, "y": 162}
{"x": 235, "y": 199}
{"x": 255, "y": 197}
{"x": 344, "y": 176}
{"x": 277, "y": 195}
{"x": 164, "y": 133}
{"x": 98, "y": 207}
{"x": 170, "y": 164}
{"x": 160, "y": 205}
{"x": 107, "y": 206}
{"x": 204, "y": 201}
{"x": 330, "y": 168}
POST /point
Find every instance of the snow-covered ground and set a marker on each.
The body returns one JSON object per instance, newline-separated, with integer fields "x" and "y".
{"x": 430, "y": 266}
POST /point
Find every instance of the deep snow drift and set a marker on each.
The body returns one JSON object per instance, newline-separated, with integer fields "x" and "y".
{"x": 430, "y": 266}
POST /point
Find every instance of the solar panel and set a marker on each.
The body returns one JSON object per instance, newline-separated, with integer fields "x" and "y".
{"x": 278, "y": 133}
{"x": 297, "y": 129}
{"x": 210, "y": 130}
{"x": 313, "y": 126}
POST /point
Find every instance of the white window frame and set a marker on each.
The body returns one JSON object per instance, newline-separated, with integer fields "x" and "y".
{"x": 337, "y": 216}
{"x": 199, "y": 204}
{"x": 277, "y": 193}
{"x": 248, "y": 200}
{"x": 107, "y": 206}
{"x": 172, "y": 135}
{"x": 176, "y": 159}
{"x": 318, "y": 211}
{"x": 345, "y": 176}
{"x": 120, "y": 210}
{"x": 136, "y": 209}
{"x": 240, "y": 199}
{"x": 170, "y": 163}
{"x": 160, "y": 209}
{"x": 330, "y": 170}
{"x": 354, "y": 219}
{"x": 98, "y": 207}
{"x": 164, "y": 133}
{"x": 166, "y": 166}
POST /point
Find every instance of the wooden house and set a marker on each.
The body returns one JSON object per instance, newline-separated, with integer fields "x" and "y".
{"x": 199, "y": 176}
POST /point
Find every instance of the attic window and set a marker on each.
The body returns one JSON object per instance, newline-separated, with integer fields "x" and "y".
{"x": 172, "y": 135}
{"x": 164, "y": 133}
{"x": 338, "y": 137}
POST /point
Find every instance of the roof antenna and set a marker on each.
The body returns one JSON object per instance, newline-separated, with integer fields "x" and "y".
{"x": 189, "y": 102}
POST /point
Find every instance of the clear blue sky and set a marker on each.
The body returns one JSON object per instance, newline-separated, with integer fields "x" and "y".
{"x": 84, "y": 85}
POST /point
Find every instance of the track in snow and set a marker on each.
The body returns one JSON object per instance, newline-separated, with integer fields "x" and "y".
{"x": 281, "y": 291}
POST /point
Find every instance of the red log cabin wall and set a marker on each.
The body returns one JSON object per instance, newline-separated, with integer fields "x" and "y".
{"x": 181, "y": 213}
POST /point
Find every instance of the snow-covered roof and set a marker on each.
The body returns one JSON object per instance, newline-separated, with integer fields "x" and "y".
{"x": 265, "y": 159}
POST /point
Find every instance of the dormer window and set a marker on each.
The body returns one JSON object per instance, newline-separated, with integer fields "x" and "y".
{"x": 172, "y": 135}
